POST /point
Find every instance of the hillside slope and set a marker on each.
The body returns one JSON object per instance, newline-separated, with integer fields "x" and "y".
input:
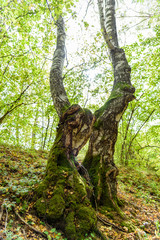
{"x": 20, "y": 170}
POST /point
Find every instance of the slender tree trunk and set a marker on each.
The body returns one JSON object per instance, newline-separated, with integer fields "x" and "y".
{"x": 51, "y": 130}
{"x": 46, "y": 133}
{"x": 17, "y": 128}
{"x": 42, "y": 122}
{"x": 33, "y": 141}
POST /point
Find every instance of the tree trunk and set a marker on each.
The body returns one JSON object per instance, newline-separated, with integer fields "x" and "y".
{"x": 99, "y": 159}
{"x": 63, "y": 196}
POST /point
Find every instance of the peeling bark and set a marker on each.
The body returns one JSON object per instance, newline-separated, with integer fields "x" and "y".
{"x": 64, "y": 196}
{"x": 99, "y": 159}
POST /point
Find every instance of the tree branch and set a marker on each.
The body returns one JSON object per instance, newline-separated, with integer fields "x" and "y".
{"x": 58, "y": 92}
{"x": 50, "y": 12}
{"x": 140, "y": 129}
{"x": 103, "y": 29}
{"x": 148, "y": 146}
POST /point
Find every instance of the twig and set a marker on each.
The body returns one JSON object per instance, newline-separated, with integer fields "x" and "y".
{"x": 148, "y": 146}
{"x": 6, "y": 219}
{"x": 89, "y": 3}
{"x": 24, "y": 233}
{"x": 104, "y": 221}
{"x": 28, "y": 225}
{"x": 50, "y": 12}
{"x": 1, "y": 212}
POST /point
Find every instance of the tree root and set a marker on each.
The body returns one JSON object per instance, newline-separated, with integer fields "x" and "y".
{"x": 28, "y": 225}
{"x": 1, "y": 212}
{"x": 104, "y": 221}
{"x": 131, "y": 227}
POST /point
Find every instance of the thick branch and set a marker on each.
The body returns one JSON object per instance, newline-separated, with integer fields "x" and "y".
{"x": 121, "y": 67}
{"x": 58, "y": 92}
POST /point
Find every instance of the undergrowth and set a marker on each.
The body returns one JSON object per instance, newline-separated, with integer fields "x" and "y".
{"x": 21, "y": 170}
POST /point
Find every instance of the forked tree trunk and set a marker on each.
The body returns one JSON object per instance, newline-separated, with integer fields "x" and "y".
{"x": 64, "y": 196}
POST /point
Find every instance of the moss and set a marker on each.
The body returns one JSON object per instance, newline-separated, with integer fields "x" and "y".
{"x": 52, "y": 161}
{"x": 117, "y": 92}
{"x": 70, "y": 228}
{"x": 86, "y": 219}
{"x": 60, "y": 185}
{"x": 41, "y": 189}
{"x": 62, "y": 160}
{"x": 122, "y": 86}
{"x": 92, "y": 164}
{"x": 40, "y": 206}
{"x": 56, "y": 207}
{"x": 65, "y": 108}
{"x": 79, "y": 185}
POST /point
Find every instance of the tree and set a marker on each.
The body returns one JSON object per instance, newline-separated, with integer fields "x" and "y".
{"x": 66, "y": 193}
{"x": 137, "y": 139}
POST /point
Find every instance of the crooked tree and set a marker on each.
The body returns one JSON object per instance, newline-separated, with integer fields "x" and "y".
{"x": 65, "y": 196}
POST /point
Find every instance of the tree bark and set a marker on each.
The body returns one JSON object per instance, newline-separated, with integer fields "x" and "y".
{"x": 99, "y": 159}
{"x": 59, "y": 96}
{"x": 63, "y": 196}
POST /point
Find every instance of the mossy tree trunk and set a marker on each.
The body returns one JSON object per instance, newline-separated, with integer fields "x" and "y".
{"x": 63, "y": 197}
{"x": 99, "y": 159}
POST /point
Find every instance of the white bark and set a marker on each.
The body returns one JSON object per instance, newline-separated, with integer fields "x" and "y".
{"x": 58, "y": 92}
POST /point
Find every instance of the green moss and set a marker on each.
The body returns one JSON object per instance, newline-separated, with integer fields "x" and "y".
{"x": 79, "y": 185}
{"x": 52, "y": 161}
{"x": 129, "y": 225}
{"x": 40, "y": 206}
{"x": 62, "y": 160}
{"x": 86, "y": 219}
{"x": 65, "y": 108}
{"x": 117, "y": 92}
{"x": 92, "y": 164}
{"x": 70, "y": 228}
{"x": 122, "y": 86}
{"x": 107, "y": 211}
{"x": 56, "y": 207}
{"x": 41, "y": 189}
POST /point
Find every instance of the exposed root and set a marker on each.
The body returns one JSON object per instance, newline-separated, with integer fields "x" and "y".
{"x": 29, "y": 226}
{"x": 105, "y": 222}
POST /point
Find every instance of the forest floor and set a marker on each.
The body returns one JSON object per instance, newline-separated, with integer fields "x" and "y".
{"x": 20, "y": 170}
